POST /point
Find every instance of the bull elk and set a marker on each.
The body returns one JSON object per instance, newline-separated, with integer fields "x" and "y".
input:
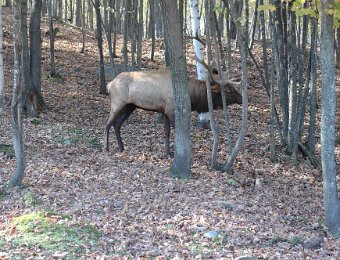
{"x": 153, "y": 91}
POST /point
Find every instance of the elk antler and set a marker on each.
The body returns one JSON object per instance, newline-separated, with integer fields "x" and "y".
{"x": 235, "y": 80}
{"x": 197, "y": 38}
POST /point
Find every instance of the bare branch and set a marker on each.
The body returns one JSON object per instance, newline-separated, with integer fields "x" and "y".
{"x": 197, "y": 38}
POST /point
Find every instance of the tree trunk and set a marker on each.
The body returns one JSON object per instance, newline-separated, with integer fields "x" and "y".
{"x": 51, "y": 30}
{"x": 331, "y": 199}
{"x": 108, "y": 31}
{"x": 199, "y": 49}
{"x": 292, "y": 116}
{"x": 2, "y": 79}
{"x": 82, "y": 16}
{"x": 65, "y": 11}
{"x": 102, "y": 87}
{"x": 60, "y": 9}
{"x": 125, "y": 35}
{"x": 254, "y": 22}
{"x": 16, "y": 108}
{"x": 338, "y": 47}
{"x": 151, "y": 30}
{"x": 35, "y": 44}
{"x": 133, "y": 34}
{"x": 282, "y": 70}
{"x": 34, "y": 99}
{"x": 242, "y": 36}
{"x": 25, "y": 51}
{"x": 77, "y": 21}
{"x": 181, "y": 167}
{"x": 196, "y": 32}
{"x": 140, "y": 35}
{"x": 313, "y": 76}
{"x": 90, "y": 14}
{"x": 213, "y": 125}
{"x": 8, "y": 3}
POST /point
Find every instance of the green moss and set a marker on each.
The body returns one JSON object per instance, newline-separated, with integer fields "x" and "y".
{"x": 52, "y": 232}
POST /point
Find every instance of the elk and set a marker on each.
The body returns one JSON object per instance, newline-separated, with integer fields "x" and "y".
{"x": 153, "y": 91}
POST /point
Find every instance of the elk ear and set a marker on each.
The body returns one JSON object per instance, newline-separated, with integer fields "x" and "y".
{"x": 215, "y": 89}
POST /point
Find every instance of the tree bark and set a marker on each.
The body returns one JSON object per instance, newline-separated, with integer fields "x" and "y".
{"x": 102, "y": 86}
{"x": 140, "y": 35}
{"x": 313, "y": 76}
{"x": 51, "y": 30}
{"x": 2, "y": 79}
{"x": 34, "y": 99}
{"x": 16, "y": 108}
{"x": 331, "y": 199}
{"x": 242, "y": 37}
{"x": 77, "y": 21}
{"x": 282, "y": 69}
{"x": 181, "y": 167}
{"x": 152, "y": 28}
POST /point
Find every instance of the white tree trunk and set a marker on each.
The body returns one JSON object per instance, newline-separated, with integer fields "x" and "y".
{"x": 203, "y": 118}
{"x": 196, "y": 31}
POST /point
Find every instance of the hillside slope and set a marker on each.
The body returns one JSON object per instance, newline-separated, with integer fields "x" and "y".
{"x": 268, "y": 210}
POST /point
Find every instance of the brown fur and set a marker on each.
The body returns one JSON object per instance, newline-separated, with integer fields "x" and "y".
{"x": 152, "y": 90}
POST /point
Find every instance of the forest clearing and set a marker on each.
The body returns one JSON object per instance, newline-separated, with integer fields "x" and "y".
{"x": 78, "y": 202}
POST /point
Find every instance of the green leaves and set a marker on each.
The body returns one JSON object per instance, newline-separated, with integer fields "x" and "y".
{"x": 305, "y": 11}
{"x": 297, "y": 7}
{"x": 267, "y": 7}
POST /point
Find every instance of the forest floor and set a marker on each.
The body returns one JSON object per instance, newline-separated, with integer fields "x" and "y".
{"x": 78, "y": 202}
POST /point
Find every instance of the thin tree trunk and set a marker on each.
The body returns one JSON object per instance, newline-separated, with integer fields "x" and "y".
{"x": 331, "y": 199}
{"x": 242, "y": 36}
{"x": 65, "y": 11}
{"x": 292, "y": 117}
{"x": 16, "y": 108}
{"x": 252, "y": 38}
{"x": 266, "y": 78}
{"x": 90, "y": 14}
{"x": 151, "y": 31}
{"x": 213, "y": 125}
{"x": 51, "y": 29}
{"x": 2, "y": 79}
{"x": 102, "y": 86}
{"x": 313, "y": 76}
{"x": 196, "y": 32}
{"x": 338, "y": 47}
{"x": 108, "y": 31}
{"x": 25, "y": 51}
{"x": 282, "y": 69}
{"x": 82, "y": 16}
{"x": 272, "y": 106}
{"x": 125, "y": 36}
{"x": 140, "y": 35}
{"x": 60, "y": 9}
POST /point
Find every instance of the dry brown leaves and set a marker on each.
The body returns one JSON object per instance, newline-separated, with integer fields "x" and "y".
{"x": 262, "y": 209}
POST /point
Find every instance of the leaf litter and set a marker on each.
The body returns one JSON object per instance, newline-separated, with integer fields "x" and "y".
{"x": 264, "y": 209}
